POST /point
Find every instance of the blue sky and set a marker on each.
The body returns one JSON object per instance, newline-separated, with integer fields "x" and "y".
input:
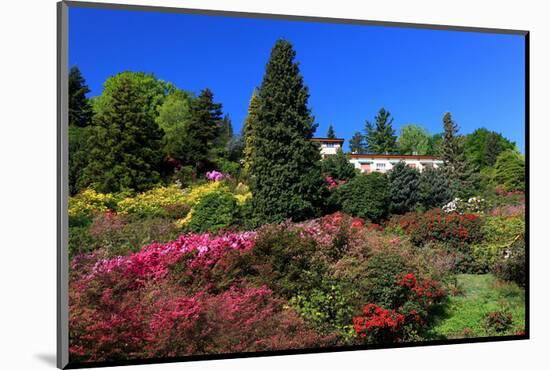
{"x": 351, "y": 70}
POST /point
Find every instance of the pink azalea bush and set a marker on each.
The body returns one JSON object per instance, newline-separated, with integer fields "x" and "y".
{"x": 216, "y": 176}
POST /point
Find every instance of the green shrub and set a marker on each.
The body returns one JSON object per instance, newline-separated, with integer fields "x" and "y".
{"x": 498, "y": 235}
{"x": 511, "y": 266}
{"x": 338, "y": 166}
{"x": 366, "y": 196}
{"x": 284, "y": 260}
{"x": 80, "y": 241}
{"x": 380, "y": 281}
{"x": 215, "y": 211}
{"x": 328, "y": 308}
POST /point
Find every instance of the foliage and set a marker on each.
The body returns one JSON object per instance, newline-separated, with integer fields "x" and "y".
{"x": 88, "y": 203}
{"x": 357, "y": 143}
{"x": 330, "y": 132}
{"x": 413, "y": 140}
{"x": 215, "y": 211}
{"x": 379, "y": 325}
{"x": 366, "y": 196}
{"x": 78, "y": 155}
{"x": 434, "y": 188}
{"x": 498, "y": 321}
{"x": 173, "y": 117}
{"x": 511, "y": 266}
{"x": 80, "y": 109}
{"x": 249, "y": 132}
{"x": 285, "y": 167}
{"x": 125, "y": 142}
{"x": 510, "y": 171}
{"x": 455, "y": 164}
{"x": 472, "y": 205}
{"x": 455, "y": 230}
{"x": 380, "y": 137}
{"x": 169, "y": 201}
{"x": 338, "y": 166}
{"x": 380, "y": 287}
{"x": 202, "y": 130}
{"x": 403, "y": 188}
{"x": 482, "y": 147}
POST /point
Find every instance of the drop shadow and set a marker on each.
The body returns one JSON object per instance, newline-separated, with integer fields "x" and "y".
{"x": 47, "y": 358}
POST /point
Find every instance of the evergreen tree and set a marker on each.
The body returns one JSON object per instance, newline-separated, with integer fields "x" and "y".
{"x": 78, "y": 155}
{"x": 357, "y": 143}
{"x": 493, "y": 147}
{"x": 249, "y": 131}
{"x": 202, "y": 130}
{"x": 455, "y": 164}
{"x": 330, "y": 133}
{"x": 125, "y": 141}
{"x": 403, "y": 188}
{"x": 80, "y": 109}
{"x": 434, "y": 189}
{"x": 338, "y": 166}
{"x": 482, "y": 147}
{"x": 286, "y": 180}
{"x": 380, "y": 137}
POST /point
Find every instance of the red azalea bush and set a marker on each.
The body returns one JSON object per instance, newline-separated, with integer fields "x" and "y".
{"x": 455, "y": 230}
{"x": 498, "y": 320}
{"x": 379, "y": 325}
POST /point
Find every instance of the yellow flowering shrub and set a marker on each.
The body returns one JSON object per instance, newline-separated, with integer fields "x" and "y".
{"x": 242, "y": 198}
{"x": 194, "y": 194}
{"x": 159, "y": 201}
{"x": 89, "y": 202}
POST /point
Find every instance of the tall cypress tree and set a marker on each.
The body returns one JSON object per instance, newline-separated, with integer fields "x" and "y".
{"x": 249, "y": 132}
{"x": 80, "y": 109}
{"x": 286, "y": 179}
{"x": 403, "y": 188}
{"x": 126, "y": 141}
{"x": 330, "y": 133}
{"x": 380, "y": 136}
{"x": 357, "y": 143}
{"x": 202, "y": 130}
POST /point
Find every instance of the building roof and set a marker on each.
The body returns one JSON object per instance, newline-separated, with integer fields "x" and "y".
{"x": 327, "y": 140}
{"x": 393, "y": 156}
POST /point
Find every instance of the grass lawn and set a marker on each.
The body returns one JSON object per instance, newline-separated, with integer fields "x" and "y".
{"x": 465, "y": 313}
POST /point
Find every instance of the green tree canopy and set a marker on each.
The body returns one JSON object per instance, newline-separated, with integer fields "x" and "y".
{"x": 80, "y": 109}
{"x": 510, "y": 170}
{"x": 173, "y": 117}
{"x": 414, "y": 139}
{"x": 125, "y": 143}
{"x": 482, "y": 147}
{"x": 380, "y": 136}
{"x": 403, "y": 188}
{"x": 286, "y": 179}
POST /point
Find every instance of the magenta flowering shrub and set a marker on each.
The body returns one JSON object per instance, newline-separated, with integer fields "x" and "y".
{"x": 216, "y": 176}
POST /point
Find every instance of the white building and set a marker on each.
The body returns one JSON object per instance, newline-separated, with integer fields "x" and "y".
{"x": 328, "y": 146}
{"x": 384, "y": 162}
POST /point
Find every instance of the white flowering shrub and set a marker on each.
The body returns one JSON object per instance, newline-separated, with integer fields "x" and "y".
{"x": 472, "y": 205}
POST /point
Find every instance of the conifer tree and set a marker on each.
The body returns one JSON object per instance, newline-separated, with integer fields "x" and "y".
{"x": 403, "y": 188}
{"x": 202, "y": 130}
{"x": 455, "y": 164}
{"x": 380, "y": 136}
{"x": 80, "y": 109}
{"x": 286, "y": 180}
{"x": 330, "y": 133}
{"x": 250, "y": 123}
{"x": 434, "y": 189}
{"x": 357, "y": 143}
{"x": 125, "y": 144}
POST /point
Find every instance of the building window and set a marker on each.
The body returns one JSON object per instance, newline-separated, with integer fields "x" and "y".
{"x": 412, "y": 165}
{"x": 329, "y": 145}
{"x": 380, "y": 166}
